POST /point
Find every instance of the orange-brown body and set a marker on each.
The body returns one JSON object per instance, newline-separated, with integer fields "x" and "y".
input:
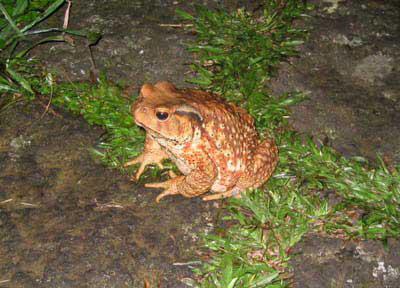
{"x": 213, "y": 143}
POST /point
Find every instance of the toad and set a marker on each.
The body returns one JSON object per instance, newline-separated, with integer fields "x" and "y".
{"x": 213, "y": 143}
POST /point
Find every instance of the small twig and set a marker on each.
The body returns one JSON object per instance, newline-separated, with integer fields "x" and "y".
{"x": 187, "y": 263}
{"x": 6, "y": 201}
{"x": 50, "y": 110}
{"x": 48, "y": 103}
{"x": 66, "y": 16}
{"x": 176, "y": 25}
{"x": 29, "y": 204}
{"x": 100, "y": 206}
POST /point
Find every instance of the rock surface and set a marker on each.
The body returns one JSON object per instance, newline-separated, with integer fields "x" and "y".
{"x": 349, "y": 68}
{"x": 66, "y": 221}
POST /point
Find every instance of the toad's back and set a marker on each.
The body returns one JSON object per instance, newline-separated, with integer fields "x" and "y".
{"x": 228, "y": 135}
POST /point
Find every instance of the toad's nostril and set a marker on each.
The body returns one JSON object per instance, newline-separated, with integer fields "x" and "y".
{"x": 144, "y": 109}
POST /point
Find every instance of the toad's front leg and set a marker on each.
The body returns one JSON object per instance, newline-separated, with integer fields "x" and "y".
{"x": 196, "y": 183}
{"x": 152, "y": 154}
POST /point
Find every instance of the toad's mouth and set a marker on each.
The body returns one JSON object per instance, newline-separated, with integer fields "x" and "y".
{"x": 157, "y": 135}
{"x": 139, "y": 123}
{"x": 149, "y": 130}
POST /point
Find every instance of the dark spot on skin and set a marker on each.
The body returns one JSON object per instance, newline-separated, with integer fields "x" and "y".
{"x": 192, "y": 115}
{"x": 191, "y": 112}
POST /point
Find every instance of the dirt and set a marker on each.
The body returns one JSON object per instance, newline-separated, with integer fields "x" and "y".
{"x": 349, "y": 69}
{"x": 329, "y": 262}
{"x": 139, "y": 42}
{"x": 68, "y": 221}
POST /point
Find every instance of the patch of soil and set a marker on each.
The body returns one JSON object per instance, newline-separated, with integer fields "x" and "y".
{"x": 349, "y": 68}
{"x": 67, "y": 221}
{"x": 138, "y": 43}
{"x": 329, "y": 262}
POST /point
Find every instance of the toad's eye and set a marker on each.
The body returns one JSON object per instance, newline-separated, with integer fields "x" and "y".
{"x": 162, "y": 116}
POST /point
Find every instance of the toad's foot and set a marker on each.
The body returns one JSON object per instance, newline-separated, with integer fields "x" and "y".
{"x": 172, "y": 174}
{"x": 152, "y": 154}
{"x": 144, "y": 160}
{"x": 235, "y": 192}
{"x": 189, "y": 186}
{"x": 170, "y": 186}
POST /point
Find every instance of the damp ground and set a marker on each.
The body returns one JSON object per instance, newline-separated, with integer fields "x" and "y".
{"x": 68, "y": 221}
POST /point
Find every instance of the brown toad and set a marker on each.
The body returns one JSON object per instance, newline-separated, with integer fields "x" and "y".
{"x": 213, "y": 143}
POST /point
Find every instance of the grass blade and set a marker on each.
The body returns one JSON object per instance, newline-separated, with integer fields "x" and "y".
{"x": 20, "y": 7}
{"x": 19, "y": 79}
{"x": 59, "y": 38}
{"x": 9, "y": 19}
{"x": 50, "y": 10}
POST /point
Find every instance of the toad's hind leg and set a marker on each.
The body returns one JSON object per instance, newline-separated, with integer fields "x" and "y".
{"x": 234, "y": 192}
{"x": 263, "y": 163}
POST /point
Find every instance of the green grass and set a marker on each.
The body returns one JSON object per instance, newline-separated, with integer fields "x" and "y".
{"x": 106, "y": 105}
{"x": 240, "y": 72}
{"x": 18, "y": 18}
{"x": 19, "y": 35}
{"x": 237, "y": 54}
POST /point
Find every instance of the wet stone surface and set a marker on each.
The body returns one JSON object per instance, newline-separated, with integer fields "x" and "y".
{"x": 349, "y": 68}
{"x": 138, "y": 42}
{"x": 134, "y": 48}
{"x": 330, "y": 262}
{"x": 66, "y": 221}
